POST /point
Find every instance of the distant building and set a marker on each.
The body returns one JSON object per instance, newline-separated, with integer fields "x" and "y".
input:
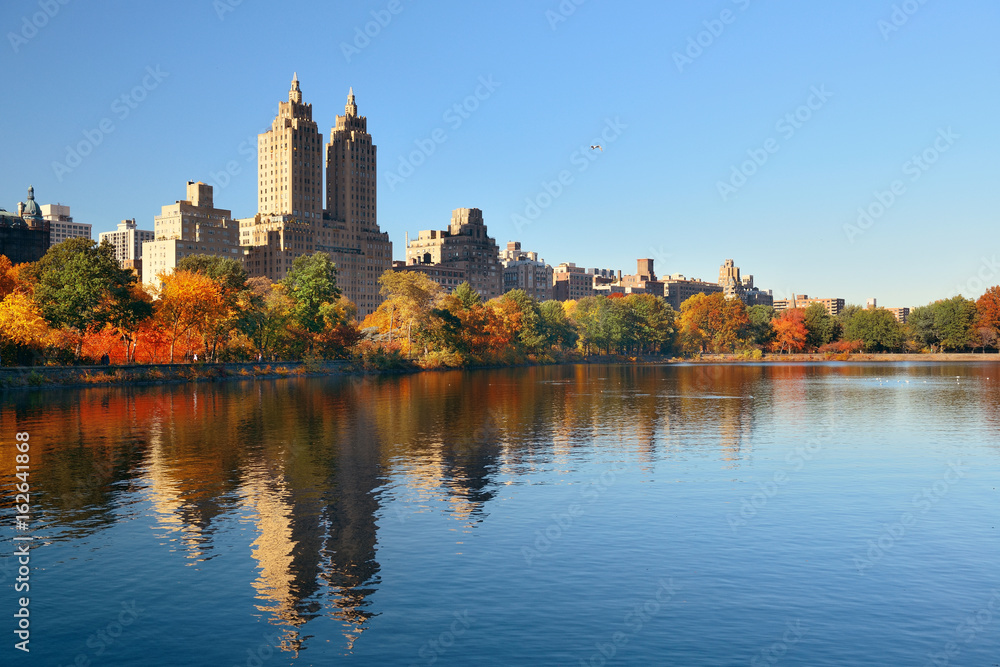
{"x": 833, "y": 306}
{"x": 901, "y": 314}
{"x": 571, "y": 282}
{"x": 447, "y": 277}
{"x": 128, "y": 240}
{"x": 679, "y": 289}
{"x": 62, "y": 225}
{"x": 525, "y": 271}
{"x": 24, "y": 237}
{"x": 192, "y": 226}
{"x": 465, "y": 246}
{"x": 735, "y": 286}
{"x": 644, "y": 281}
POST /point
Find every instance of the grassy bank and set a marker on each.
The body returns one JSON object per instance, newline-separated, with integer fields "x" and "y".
{"x": 88, "y": 376}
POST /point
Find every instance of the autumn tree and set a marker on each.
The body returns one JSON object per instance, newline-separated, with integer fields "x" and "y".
{"x": 266, "y": 311}
{"x": 79, "y": 285}
{"x": 988, "y": 318}
{"x": 217, "y": 327}
{"x": 713, "y": 321}
{"x": 186, "y": 300}
{"x": 790, "y": 331}
{"x": 21, "y": 326}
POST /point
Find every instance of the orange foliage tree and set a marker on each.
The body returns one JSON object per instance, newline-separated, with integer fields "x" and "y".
{"x": 790, "y": 331}
{"x": 987, "y": 326}
{"x": 713, "y": 321}
{"x": 187, "y": 301}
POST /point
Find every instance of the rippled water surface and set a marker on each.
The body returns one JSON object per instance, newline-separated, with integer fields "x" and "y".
{"x": 825, "y": 514}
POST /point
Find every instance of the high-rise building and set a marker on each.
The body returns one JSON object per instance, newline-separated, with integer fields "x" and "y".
{"x": 62, "y": 225}
{"x": 128, "y": 240}
{"x": 192, "y": 226}
{"x": 350, "y": 231}
{"x": 289, "y": 162}
{"x": 24, "y": 237}
{"x": 291, "y": 220}
{"x": 289, "y": 191}
{"x": 466, "y": 245}
{"x": 524, "y": 270}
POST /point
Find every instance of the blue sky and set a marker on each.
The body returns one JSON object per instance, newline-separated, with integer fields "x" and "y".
{"x": 202, "y": 78}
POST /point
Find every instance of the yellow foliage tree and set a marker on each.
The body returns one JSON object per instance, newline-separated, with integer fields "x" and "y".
{"x": 21, "y": 322}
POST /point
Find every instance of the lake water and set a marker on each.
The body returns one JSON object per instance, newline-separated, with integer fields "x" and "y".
{"x": 813, "y": 514}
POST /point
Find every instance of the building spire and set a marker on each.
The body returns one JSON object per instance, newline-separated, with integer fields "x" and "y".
{"x": 351, "y": 109}
{"x": 295, "y": 94}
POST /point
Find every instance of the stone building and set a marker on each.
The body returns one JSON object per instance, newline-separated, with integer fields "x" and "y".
{"x": 525, "y": 271}
{"x": 735, "y": 286}
{"x": 291, "y": 219}
{"x": 350, "y": 231}
{"x": 128, "y": 240}
{"x": 24, "y": 237}
{"x": 191, "y": 226}
{"x": 679, "y": 289}
{"x": 62, "y": 225}
{"x": 465, "y": 245}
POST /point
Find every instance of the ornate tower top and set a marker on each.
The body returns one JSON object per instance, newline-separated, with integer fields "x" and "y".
{"x": 295, "y": 94}
{"x": 351, "y": 109}
{"x": 30, "y": 207}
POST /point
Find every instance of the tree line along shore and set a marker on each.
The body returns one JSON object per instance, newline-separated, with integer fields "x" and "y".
{"x": 76, "y": 306}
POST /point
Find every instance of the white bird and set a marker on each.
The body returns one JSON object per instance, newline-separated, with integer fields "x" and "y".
{"x": 597, "y": 146}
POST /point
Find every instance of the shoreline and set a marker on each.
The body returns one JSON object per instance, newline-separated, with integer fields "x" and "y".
{"x": 70, "y": 377}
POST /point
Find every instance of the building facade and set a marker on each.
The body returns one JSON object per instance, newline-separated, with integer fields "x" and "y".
{"x": 128, "y": 240}
{"x": 644, "y": 281}
{"x": 192, "y": 226}
{"x": 291, "y": 219}
{"x": 525, "y": 271}
{"x": 833, "y": 306}
{"x": 735, "y": 286}
{"x": 447, "y": 277}
{"x": 571, "y": 282}
{"x": 24, "y": 237}
{"x": 350, "y": 231}
{"x": 62, "y": 225}
{"x": 679, "y": 289}
{"x": 465, "y": 245}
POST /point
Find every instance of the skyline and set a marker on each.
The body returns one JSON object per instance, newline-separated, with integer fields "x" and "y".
{"x": 869, "y": 100}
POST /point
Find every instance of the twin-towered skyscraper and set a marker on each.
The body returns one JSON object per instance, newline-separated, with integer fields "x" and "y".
{"x": 291, "y": 217}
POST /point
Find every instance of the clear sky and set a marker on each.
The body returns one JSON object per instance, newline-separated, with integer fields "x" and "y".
{"x": 677, "y": 93}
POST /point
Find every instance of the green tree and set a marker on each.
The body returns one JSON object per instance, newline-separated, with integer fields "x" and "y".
{"x": 761, "y": 325}
{"x": 953, "y": 322}
{"x": 311, "y": 283}
{"x": 467, "y": 296}
{"x": 80, "y": 286}
{"x": 920, "y": 325}
{"x": 821, "y": 326}
{"x": 877, "y": 329}
{"x": 557, "y": 327}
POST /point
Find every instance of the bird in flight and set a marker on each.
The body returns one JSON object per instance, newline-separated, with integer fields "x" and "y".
{"x": 597, "y": 146}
